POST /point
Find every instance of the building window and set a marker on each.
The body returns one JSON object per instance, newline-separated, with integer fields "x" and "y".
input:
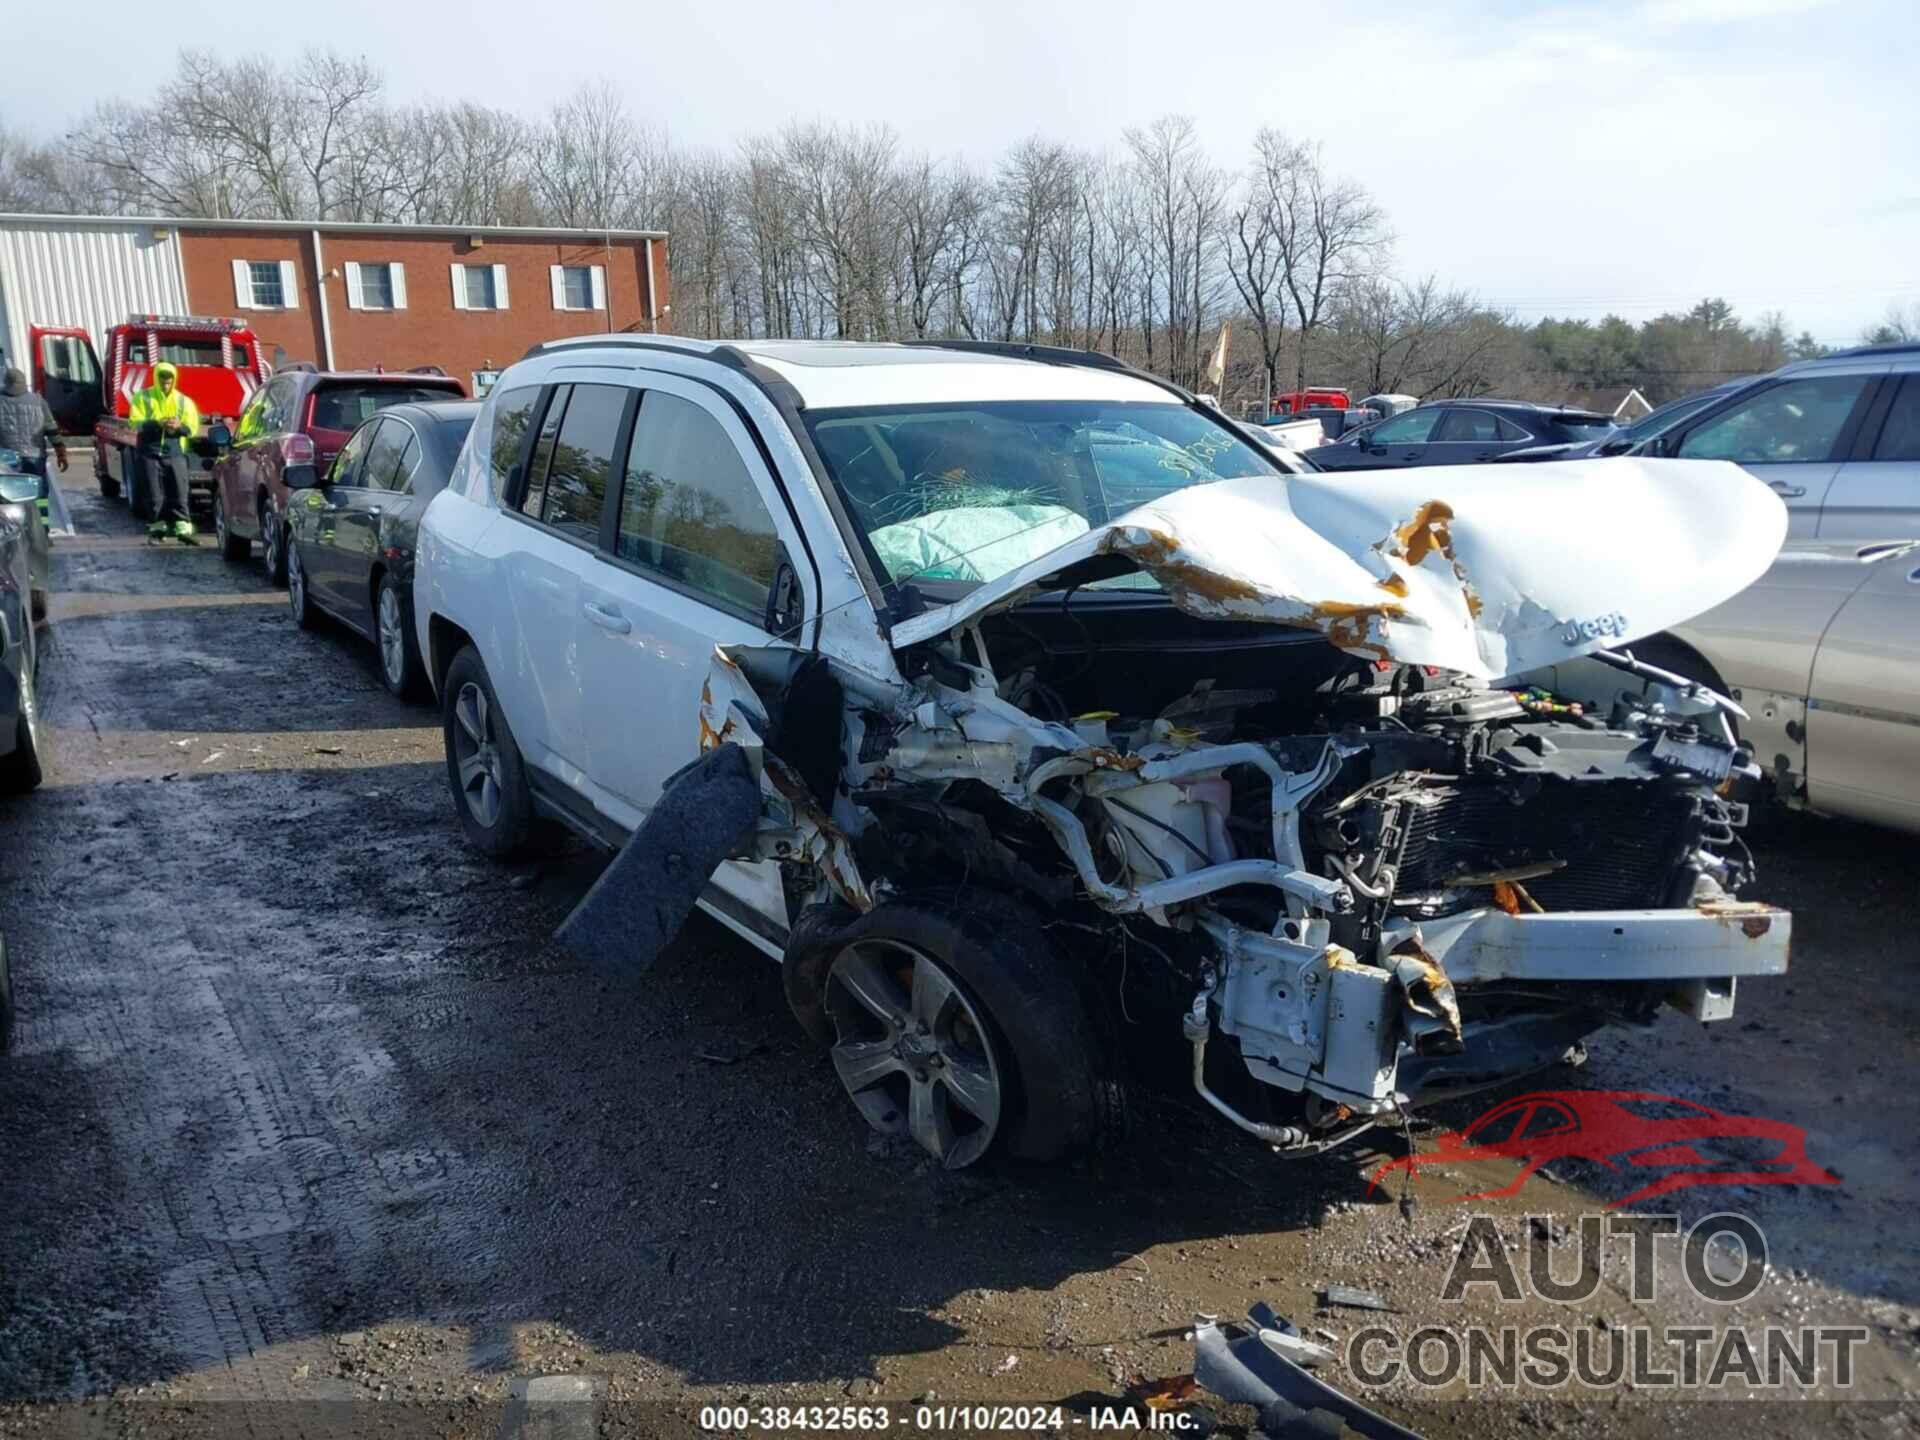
{"x": 579, "y": 287}
{"x": 479, "y": 287}
{"x": 267, "y": 291}
{"x": 376, "y": 287}
{"x": 265, "y": 285}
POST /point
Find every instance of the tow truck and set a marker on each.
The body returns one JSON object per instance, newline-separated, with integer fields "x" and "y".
{"x": 220, "y": 369}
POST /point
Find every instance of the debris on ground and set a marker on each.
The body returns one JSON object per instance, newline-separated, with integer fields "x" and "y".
{"x": 1353, "y": 1299}
{"x": 1291, "y": 1403}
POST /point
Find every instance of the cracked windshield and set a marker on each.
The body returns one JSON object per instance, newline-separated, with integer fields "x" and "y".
{"x": 969, "y": 492}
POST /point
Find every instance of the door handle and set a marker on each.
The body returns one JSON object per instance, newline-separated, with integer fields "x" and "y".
{"x": 373, "y": 510}
{"x": 1786, "y": 491}
{"x": 606, "y": 619}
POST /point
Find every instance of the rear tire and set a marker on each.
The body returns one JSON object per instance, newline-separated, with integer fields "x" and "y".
{"x": 485, "y": 770}
{"x": 130, "y": 485}
{"x": 233, "y": 548}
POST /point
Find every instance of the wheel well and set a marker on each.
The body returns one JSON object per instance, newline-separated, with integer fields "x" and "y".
{"x": 446, "y": 640}
{"x": 1670, "y": 652}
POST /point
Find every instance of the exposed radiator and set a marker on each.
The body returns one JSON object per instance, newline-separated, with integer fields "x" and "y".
{"x": 1621, "y": 841}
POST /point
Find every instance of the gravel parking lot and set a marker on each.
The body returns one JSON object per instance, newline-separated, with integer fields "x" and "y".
{"x": 306, "y": 1106}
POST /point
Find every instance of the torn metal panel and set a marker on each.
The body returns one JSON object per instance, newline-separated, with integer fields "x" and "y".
{"x": 1487, "y": 572}
{"x": 793, "y": 825}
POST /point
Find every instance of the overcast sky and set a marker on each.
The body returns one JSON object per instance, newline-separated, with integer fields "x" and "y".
{"x": 1572, "y": 157}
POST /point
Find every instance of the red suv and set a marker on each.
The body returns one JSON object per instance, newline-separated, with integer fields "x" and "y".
{"x": 288, "y": 435}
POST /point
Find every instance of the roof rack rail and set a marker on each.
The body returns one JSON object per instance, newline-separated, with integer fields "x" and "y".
{"x": 1892, "y": 347}
{"x": 1054, "y": 355}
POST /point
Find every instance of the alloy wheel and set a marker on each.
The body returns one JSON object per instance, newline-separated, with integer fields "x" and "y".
{"x": 477, "y": 754}
{"x": 393, "y": 649}
{"x": 912, "y": 1051}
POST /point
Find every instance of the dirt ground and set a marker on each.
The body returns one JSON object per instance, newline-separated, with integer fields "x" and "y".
{"x": 306, "y": 1109}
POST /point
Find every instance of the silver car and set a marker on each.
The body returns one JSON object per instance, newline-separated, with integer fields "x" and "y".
{"x": 1837, "y": 438}
{"x": 1822, "y": 654}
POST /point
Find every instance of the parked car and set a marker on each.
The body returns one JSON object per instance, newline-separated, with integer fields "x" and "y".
{"x": 351, "y": 536}
{"x": 1460, "y": 432}
{"x": 1621, "y": 442}
{"x": 23, "y": 498}
{"x": 288, "y": 434}
{"x": 1823, "y": 653}
{"x": 21, "y": 743}
{"x": 975, "y": 683}
{"x": 1837, "y": 438}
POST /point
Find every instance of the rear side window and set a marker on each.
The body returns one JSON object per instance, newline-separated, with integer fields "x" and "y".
{"x": 512, "y": 413}
{"x": 1796, "y": 420}
{"x": 582, "y": 459}
{"x": 1900, "y": 436}
{"x": 690, "y": 510}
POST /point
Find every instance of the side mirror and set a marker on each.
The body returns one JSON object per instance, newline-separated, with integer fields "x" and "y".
{"x": 19, "y": 489}
{"x": 221, "y": 437}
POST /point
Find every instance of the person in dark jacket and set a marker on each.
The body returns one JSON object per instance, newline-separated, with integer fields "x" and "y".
{"x": 27, "y": 427}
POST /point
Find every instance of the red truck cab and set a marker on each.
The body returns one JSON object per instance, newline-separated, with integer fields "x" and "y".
{"x": 219, "y": 369}
{"x": 1298, "y": 402}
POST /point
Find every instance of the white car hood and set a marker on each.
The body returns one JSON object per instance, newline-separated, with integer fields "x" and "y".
{"x": 1486, "y": 570}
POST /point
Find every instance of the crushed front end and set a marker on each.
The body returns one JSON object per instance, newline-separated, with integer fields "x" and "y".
{"x": 1368, "y": 887}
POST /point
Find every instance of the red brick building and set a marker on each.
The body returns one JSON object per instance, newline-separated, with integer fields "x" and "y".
{"x": 470, "y": 299}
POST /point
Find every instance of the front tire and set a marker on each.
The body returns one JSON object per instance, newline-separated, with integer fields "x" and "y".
{"x": 304, "y": 615}
{"x": 956, "y": 1023}
{"x": 233, "y": 548}
{"x": 398, "y": 653}
{"x": 484, "y": 767}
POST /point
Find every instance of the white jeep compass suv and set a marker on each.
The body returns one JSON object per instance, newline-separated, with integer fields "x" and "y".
{"x": 1052, "y": 739}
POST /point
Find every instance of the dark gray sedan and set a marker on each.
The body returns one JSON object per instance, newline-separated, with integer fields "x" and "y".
{"x": 352, "y": 534}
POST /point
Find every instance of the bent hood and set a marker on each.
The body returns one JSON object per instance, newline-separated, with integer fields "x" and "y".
{"x": 1482, "y": 570}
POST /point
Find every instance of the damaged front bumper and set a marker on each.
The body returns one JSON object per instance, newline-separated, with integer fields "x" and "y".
{"x": 1308, "y": 1015}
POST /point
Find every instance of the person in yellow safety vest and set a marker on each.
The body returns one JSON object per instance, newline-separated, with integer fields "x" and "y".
{"x": 164, "y": 419}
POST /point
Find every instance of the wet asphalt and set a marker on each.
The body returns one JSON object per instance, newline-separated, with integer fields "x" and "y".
{"x": 306, "y": 1107}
